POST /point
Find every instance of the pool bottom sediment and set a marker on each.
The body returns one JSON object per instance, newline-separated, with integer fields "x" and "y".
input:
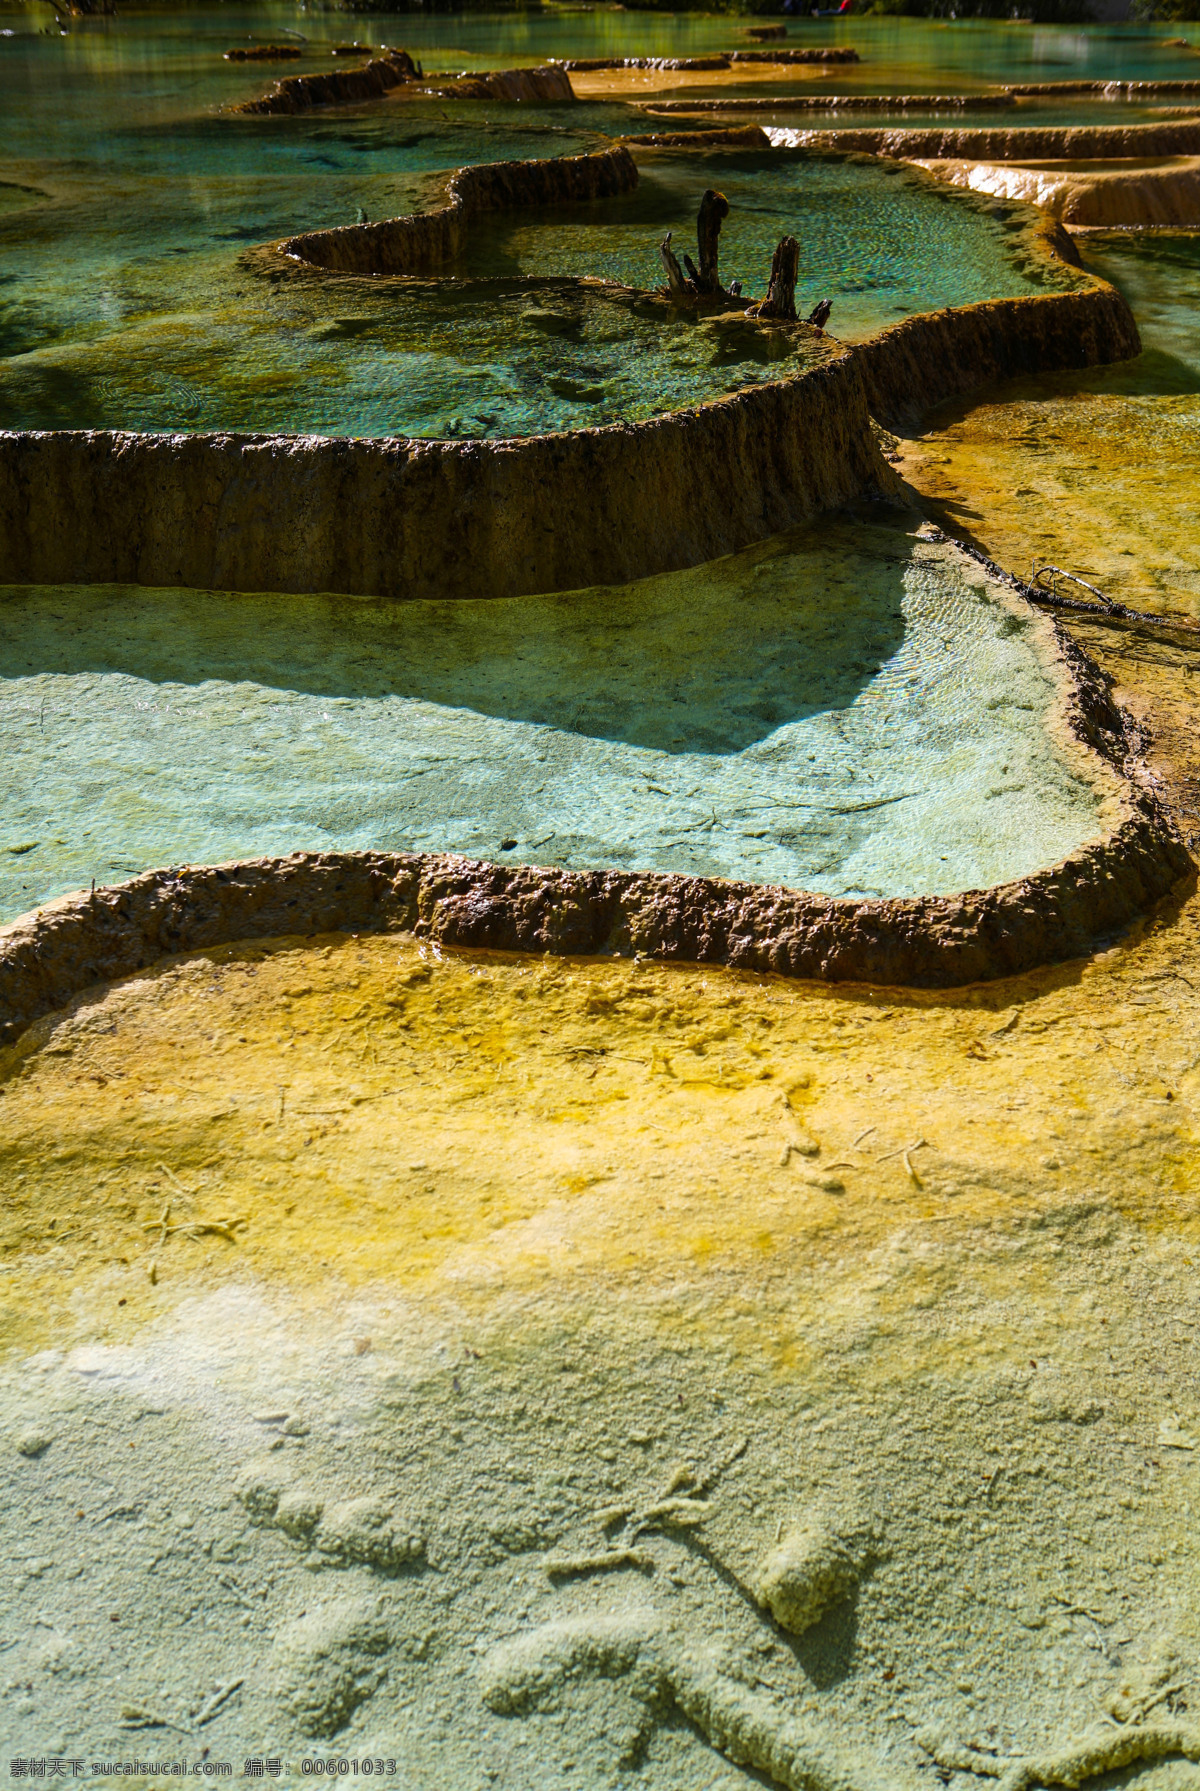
{"x": 851, "y": 710}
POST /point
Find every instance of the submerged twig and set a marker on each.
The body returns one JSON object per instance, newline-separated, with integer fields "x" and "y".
{"x": 221, "y": 1696}
{"x": 1039, "y": 572}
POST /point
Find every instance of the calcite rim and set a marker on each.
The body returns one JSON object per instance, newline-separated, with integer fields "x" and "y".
{"x": 931, "y": 942}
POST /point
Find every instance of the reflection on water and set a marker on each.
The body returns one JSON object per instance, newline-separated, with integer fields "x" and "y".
{"x": 847, "y": 709}
{"x": 148, "y": 66}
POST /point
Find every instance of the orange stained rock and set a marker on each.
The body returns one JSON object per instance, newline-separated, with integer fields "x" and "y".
{"x": 641, "y": 83}
{"x": 1128, "y": 192}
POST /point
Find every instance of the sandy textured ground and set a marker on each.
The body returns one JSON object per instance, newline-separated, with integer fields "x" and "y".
{"x": 438, "y": 1350}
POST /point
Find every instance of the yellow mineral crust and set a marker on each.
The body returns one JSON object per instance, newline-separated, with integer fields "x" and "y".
{"x": 643, "y": 83}
{"x": 1095, "y": 482}
{"x": 494, "y": 1129}
{"x": 473, "y": 1338}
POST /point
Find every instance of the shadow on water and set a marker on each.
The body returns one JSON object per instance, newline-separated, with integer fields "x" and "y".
{"x": 711, "y": 660}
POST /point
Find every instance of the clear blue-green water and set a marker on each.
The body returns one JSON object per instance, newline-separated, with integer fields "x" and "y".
{"x": 482, "y": 360}
{"x": 138, "y": 68}
{"x": 1159, "y": 273}
{"x": 123, "y": 303}
{"x": 881, "y": 241}
{"x": 845, "y": 710}
{"x": 128, "y": 196}
{"x": 848, "y": 709}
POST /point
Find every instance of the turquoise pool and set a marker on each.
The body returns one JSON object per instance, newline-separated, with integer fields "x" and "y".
{"x": 847, "y": 709}
{"x": 126, "y": 201}
{"x": 881, "y": 241}
{"x": 122, "y": 308}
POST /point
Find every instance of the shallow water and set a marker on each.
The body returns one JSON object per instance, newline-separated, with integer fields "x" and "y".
{"x": 506, "y": 1241}
{"x": 1091, "y": 471}
{"x": 881, "y": 241}
{"x": 435, "y": 361}
{"x": 124, "y": 305}
{"x": 176, "y": 52}
{"x": 126, "y": 201}
{"x": 1159, "y": 273}
{"x": 846, "y": 710}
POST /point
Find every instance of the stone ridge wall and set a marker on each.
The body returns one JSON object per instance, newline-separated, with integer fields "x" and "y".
{"x": 919, "y": 363}
{"x": 719, "y": 60}
{"x": 840, "y": 102}
{"x": 936, "y": 942}
{"x": 828, "y": 55}
{"x": 1018, "y": 143}
{"x": 933, "y": 942}
{"x": 549, "y": 84}
{"x": 401, "y": 518}
{"x": 395, "y": 68}
{"x": 425, "y": 240}
{"x": 735, "y": 136}
{"x": 334, "y": 87}
{"x": 1111, "y": 89}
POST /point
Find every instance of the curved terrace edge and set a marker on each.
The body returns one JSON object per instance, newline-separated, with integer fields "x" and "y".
{"x": 398, "y": 517}
{"x": 71, "y": 944}
{"x": 79, "y": 941}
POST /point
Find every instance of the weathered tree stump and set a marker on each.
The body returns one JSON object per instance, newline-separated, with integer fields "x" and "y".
{"x": 819, "y": 315}
{"x": 714, "y": 209}
{"x": 780, "y": 301}
{"x": 675, "y": 281}
{"x": 703, "y": 282}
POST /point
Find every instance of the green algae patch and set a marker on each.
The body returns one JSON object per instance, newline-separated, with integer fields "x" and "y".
{"x": 852, "y": 709}
{"x": 483, "y": 360}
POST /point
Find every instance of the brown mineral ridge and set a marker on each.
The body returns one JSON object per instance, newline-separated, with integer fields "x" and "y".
{"x": 932, "y": 1255}
{"x": 342, "y": 86}
{"x": 550, "y": 84}
{"x": 1098, "y": 482}
{"x": 1088, "y": 195}
{"x": 1018, "y": 143}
